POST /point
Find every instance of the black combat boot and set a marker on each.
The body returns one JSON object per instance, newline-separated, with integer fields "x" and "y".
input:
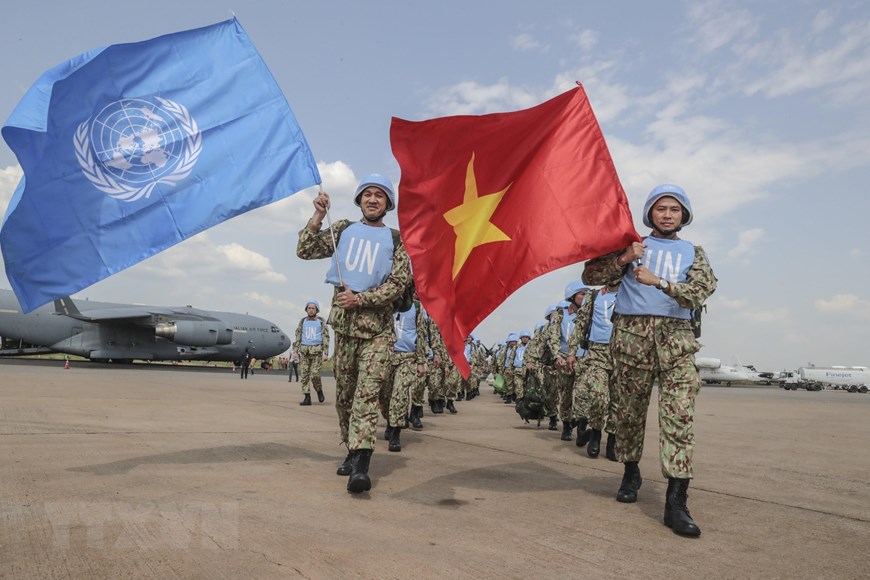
{"x": 460, "y": 396}
{"x": 416, "y": 413}
{"x": 631, "y": 482}
{"x": 345, "y": 467}
{"x": 388, "y": 432}
{"x": 441, "y": 403}
{"x": 395, "y": 442}
{"x": 610, "y": 451}
{"x": 320, "y": 397}
{"x": 359, "y": 480}
{"x": 433, "y": 405}
{"x": 306, "y": 402}
{"x": 676, "y": 513}
{"x": 566, "y": 431}
{"x": 594, "y": 447}
{"x": 554, "y": 423}
{"x": 451, "y": 407}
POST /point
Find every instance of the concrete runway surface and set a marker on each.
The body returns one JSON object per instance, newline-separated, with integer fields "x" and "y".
{"x": 150, "y": 472}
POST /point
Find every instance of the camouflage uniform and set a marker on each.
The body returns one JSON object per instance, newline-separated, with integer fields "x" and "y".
{"x": 434, "y": 380}
{"x": 364, "y": 338}
{"x": 404, "y": 373}
{"x": 311, "y": 357}
{"x": 563, "y": 376}
{"x": 592, "y": 383}
{"x": 646, "y": 348}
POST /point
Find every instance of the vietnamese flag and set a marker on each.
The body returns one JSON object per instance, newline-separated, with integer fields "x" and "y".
{"x": 490, "y": 202}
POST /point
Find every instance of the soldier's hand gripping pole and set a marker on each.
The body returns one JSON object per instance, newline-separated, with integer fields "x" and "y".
{"x": 334, "y": 246}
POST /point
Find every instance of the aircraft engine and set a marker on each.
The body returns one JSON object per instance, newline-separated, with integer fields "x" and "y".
{"x": 707, "y": 363}
{"x": 195, "y": 333}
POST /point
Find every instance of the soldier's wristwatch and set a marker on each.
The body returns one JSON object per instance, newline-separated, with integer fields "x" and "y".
{"x": 663, "y": 284}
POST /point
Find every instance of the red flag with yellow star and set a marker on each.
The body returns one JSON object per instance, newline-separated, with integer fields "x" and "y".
{"x": 490, "y": 202}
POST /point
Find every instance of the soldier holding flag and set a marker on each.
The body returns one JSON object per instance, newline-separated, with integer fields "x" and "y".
{"x": 370, "y": 270}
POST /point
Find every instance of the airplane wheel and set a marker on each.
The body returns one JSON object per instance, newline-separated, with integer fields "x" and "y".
{"x": 853, "y": 389}
{"x": 863, "y": 388}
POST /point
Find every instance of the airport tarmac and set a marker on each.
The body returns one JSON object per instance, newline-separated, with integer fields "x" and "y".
{"x": 152, "y": 472}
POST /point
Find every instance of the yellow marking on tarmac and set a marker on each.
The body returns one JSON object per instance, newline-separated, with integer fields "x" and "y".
{"x": 9, "y": 311}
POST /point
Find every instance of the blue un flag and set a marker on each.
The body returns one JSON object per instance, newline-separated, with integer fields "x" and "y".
{"x": 130, "y": 149}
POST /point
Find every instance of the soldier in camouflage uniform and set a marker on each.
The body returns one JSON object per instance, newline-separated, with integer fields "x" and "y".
{"x": 592, "y": 398}
{"x": 409, "y": 368}
{"x": 663, "y": 279}
{"x": 361, "y": 314}
{"x": 507, "y": 368}
{"x": 435, "y": 369}
{"x": 558, "y": 333}
{"x": 311, "y": 349}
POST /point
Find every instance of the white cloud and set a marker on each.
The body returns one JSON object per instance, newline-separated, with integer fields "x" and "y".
{"x": 525, "y": 42}
{"x": 199, "y": 258}
{"x": 731, "y": 303}
{"x": 9, "y": 178}
{"x": 845, "y": 304}
{"x": 472, "y": 98}
{"x": 765, "y": 316}
{"x": 716, "y": 26}
{"x": 823, "y": 20}
{"x": 746, "y": 241}
{"x": 586, "y": 39}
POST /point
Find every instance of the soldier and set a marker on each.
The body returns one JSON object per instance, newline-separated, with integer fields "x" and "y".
{"x": 311, "y": 349}
{"x": 434, "y": 369}
{"x": 519, "y": 370}
{"x": 376, "y": 270}
{"x": 663, "y": 280}
{"x": 507, "y": 368}
{"x": 560, "y": 331}
{"x": 409, "y": 366}
{"x": 592, "y": 386}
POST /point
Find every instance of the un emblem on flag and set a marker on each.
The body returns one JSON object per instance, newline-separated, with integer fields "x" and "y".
{"x": 132, "y": 145}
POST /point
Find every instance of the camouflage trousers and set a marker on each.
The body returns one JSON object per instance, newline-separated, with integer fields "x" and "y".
{"x": 592, "y": 387}
{"x": 362, "y": 370}
{"x": 508, "y": 374}
{"x": 565, "y": 391}
{"x": 420, "y": 384}
{"x": 434, "y": 381}
{"x": 646, "y": 350}
{"x": 452, "y": 382}
{"x": 548, "y": 377}
{"x": 518, "y": 375}
{"x": 404, "y": 380}
{"x": 310, "y": 363}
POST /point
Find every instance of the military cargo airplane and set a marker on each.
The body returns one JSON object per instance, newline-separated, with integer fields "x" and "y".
{"x": 713, "y": 372}
{"x": 119, "y": 333}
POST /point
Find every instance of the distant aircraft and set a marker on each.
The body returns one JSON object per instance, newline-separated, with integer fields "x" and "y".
{"x": 122, "y": 332}
{"x": 713, "y": 372}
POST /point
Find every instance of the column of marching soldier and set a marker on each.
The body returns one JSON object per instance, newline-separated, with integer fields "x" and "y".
{"x": 591, "y": 364}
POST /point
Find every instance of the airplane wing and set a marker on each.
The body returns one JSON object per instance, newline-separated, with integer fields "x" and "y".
{"x": 133, "y": 314}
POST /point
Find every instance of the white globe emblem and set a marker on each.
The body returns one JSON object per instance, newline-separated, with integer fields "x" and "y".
{"x": 132, "y": 145}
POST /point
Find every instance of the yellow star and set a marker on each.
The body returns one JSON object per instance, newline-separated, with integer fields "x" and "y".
{"x": 470, "y": 220}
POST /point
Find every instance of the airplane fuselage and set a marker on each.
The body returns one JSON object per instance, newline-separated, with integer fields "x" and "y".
{"x": 139, "y": 337}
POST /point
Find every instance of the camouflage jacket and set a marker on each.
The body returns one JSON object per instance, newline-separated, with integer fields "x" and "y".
{"x": 374, "y": 315}
{"x": 434, "y": 339}
{"x": 534, "y": 349}
{"x": 324, "y": 330}
{"x": 672, "y": 336}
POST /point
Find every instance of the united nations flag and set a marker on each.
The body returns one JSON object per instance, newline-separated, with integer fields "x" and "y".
{"x": 129, "y": 149}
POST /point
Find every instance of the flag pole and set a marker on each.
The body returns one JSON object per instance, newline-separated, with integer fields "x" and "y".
{"x": 334, "y": 245}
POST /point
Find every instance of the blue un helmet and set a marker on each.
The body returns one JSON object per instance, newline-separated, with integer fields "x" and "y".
{"x": 381, "y": 182}
{"x": 667, "y": 190}
{"x": 573, "y": 288}
{"x": 315, "y": 303}
{"x": 512, "y": 337}
{"x": 550, "y": 310}
{"x": 563, "y": 304}
{"x": 525, "y": 333}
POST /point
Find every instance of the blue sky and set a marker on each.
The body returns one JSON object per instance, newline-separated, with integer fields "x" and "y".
{"x": 760, "y": 110}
